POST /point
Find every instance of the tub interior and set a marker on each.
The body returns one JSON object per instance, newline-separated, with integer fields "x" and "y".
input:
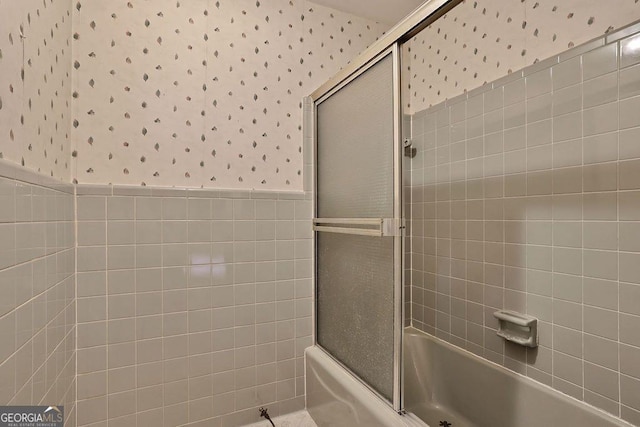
{"x": 445, "y": 384}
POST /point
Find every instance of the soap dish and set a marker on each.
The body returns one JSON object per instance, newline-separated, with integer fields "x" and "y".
{"x": 517, "y": 327}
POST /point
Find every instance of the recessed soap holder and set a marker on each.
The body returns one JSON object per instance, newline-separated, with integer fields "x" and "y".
{"x": 517, "y": 327}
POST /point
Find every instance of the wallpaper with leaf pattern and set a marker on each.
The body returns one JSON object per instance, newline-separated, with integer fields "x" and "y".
{"x": 35, "y": 85}
{"x": 207, "y": 93}
{"x": 482, "y": 40}
{"x": 201, "y": 93}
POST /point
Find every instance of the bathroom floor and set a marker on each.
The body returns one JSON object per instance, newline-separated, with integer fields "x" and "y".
{"x": 295, "y": 419}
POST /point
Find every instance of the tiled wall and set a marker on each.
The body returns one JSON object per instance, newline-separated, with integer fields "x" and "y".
{"x": 525, "y": 195}
{"x": 35, "y": 88}
{"x": 202, "y": 93}
{"x": 37, "y": 291}
{"x": 193, "y": 306}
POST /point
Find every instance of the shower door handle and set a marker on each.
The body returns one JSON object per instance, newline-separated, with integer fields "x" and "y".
{"x": 378, "y": 227}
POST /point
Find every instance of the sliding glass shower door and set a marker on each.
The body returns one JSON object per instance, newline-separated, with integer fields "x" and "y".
{"x": 358, "y": 226}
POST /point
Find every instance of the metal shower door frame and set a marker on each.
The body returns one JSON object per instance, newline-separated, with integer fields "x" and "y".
{"x": 387, "y": 227}
{"x": 423, "y": 16}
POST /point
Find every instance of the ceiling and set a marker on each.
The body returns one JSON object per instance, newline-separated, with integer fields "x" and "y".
{"x": 385, "y": 11}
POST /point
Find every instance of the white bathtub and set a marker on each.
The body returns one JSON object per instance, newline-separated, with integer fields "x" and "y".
{"x": 444, "y": 383}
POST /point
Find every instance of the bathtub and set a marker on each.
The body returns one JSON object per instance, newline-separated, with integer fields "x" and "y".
{"x": 443, "y": 384}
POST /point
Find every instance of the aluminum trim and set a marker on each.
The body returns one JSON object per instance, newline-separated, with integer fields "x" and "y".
{"x": 314, "y": 210}
{"x": 398, "y": 243}
{"x": 355, "y": 221}
{"x": 392, "y": 226}
{"x": 357, "y": 73}
{"x": 377, "y": 226}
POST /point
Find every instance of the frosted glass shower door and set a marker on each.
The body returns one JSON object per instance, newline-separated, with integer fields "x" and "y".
{"x": 358, "y": 227}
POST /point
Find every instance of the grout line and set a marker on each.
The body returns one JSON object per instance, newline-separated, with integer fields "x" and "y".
{"x": 618, "y": 67}
{"x": 75, "y": 274}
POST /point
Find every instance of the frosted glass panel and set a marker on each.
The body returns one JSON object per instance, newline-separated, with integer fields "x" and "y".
{"x": 355, "y": 147}
{"x": 355, "y": 305}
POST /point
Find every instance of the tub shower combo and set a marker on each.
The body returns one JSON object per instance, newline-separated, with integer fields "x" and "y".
{"x": 412, "y": 326}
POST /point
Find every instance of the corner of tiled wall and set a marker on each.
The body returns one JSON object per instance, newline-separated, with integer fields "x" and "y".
{"x": 37, "y": 291}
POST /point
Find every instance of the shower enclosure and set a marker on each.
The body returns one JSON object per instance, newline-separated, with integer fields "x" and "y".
{"x": 482, "y": 156}
{"x": 358, "y": 225}
{"x": 359, "y": 220}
